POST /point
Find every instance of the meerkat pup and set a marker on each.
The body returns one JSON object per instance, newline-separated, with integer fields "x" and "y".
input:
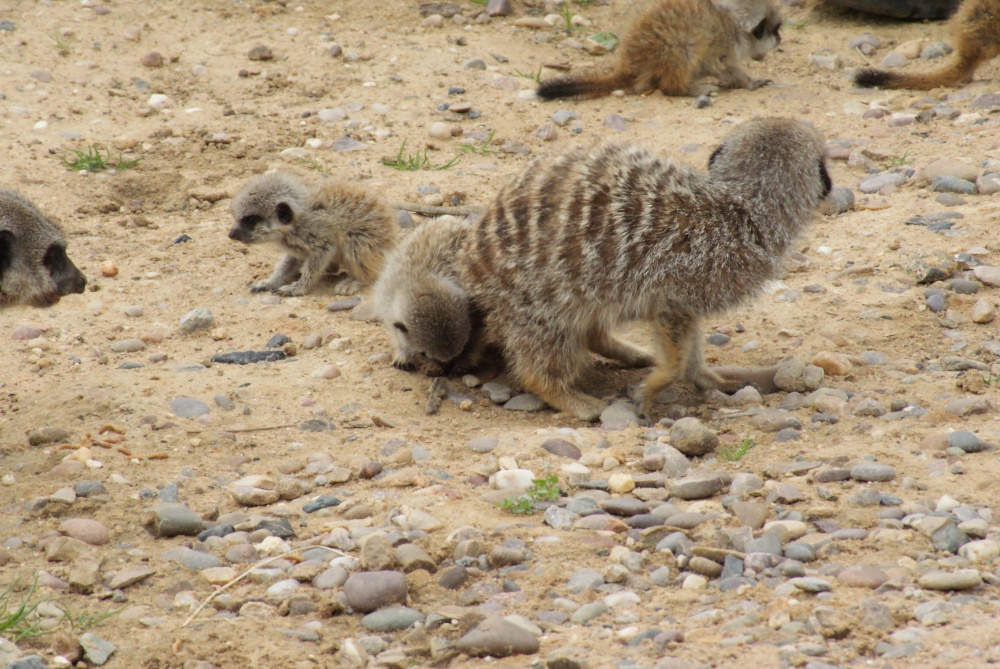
{"x": 588, "y": 240}
{"x": 419, "y": 299}
{"x": 34, "y": 267}
{"x": 329, "y": 228}
{"x": 975, "y": 30}
{"x": 670, "y": 45}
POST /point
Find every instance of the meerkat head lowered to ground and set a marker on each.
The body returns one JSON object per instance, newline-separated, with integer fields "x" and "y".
{"x": 34, "y": 267}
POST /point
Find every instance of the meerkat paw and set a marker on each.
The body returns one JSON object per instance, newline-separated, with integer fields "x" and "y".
{"x": 292, "y": 290}
{"x": 403, "y": 363}
{"x": 346, "y": 286}
{"x": 261, "y": 287}
{"x": 760, "y": 83}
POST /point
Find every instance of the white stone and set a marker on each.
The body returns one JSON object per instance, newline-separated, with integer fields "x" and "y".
{"x": 158, "y": 101}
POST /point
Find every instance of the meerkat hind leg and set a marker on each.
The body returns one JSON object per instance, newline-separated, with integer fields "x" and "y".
{"x": 614, "y": 348}
{"x": 345, "y": 285}
{"x": 284, "y": 272}
{"x": 668, "y": 340}
{"x": 559, "y": 395}
{"x": 697, "y": 372}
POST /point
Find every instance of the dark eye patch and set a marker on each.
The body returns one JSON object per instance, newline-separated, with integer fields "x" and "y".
{"x": 250, "y": 222}
{"x": 55, "y": 259}
{"x": 402, "y": 328}
{"x": 760, "y": 29}
{"x": 6, "y": 250}
{"x": 284, "y": 212}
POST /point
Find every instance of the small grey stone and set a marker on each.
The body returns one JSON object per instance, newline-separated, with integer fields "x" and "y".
{"x": 800, "y": 551}
{"x": 584, "y": 578}
{"x": 865, "y": 497}
{"x": 962, "y": 579}
{"x": 745, "y": 483}
{"x": 496, "y": 392}
{"x": 483, "y": 444}
{"x": 453, "y": 578}
{"x": 624, "y": 506}
{"x": 127, "y": 345}
{"x": 776, "y": 420}
{"x": 197, "y": 560}
{"x": 876, "y": 183}
{"x": 936, "y": 50}
{"x": 348, "y": 143}
{"x": 619, "y": 415}
{"x": 278, "y": 340}
{"x": 392, "y": 619}
{"x": 769, "y": 543}
{"x": 524, "y": 402}
{"x": 28, "y": 661}
{"x": 370, "y": 590}
{"x": 874, "y": 357}
{"x": 48, "y": 434}
{"x": 188, "y": 407}
{"x": 95, "y": 649}
{"x": 559, "y": 518}
{"x": 811, "y": 584}
{"x": 343, "y": 304}
{"x": 698, "y": 486}
{"x": 248, "y": 357}
{"x": 199, "y": 318}
{"x": 691, "y": 437}
{"x": 588, "y": 612}
{"x": 474, "y": 64}
{"x": 88, "y": 488}
{"x": 949, "y": 538}
{"x": 170, "y": 520}
{"x": 950, "y": 184}
{"x": 936, "y": 303}
{"x": 498, "y": 8}
{"x": 872, "y": 471}
{"x": 562, "y": 117}
{"x": 562, "y": 449}
{"x": 615, "y": 122}
{"x": 260, "y": 53}
{"x": 966, "y": 440}
{"x": 496, "y": 637}
{"x": 795, "y": 376}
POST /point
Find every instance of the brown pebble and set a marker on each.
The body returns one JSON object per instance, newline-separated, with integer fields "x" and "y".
{"x": 371, "y": 469}
{"x": 260, "y": 52}
{"x": 109, "y": 268}
{"x": 152, "y": 59}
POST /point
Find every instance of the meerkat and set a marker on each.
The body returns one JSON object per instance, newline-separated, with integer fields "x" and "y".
{"x": 324, "y": 229}
{"x": 426, "y": 311}
{"x": 670, "y": 45}
{"x": 588, "y": 240}
{"x": 975, "y": 30}
{"x": 34, "y": 267}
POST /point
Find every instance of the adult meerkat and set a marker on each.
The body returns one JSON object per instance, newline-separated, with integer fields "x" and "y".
{"x": 34, "y": 267}
{"x": 324, "y": 229}
{"x": 671, "y": 44}
{"x": 975, "y": 30}
{"x": 418, "y": 297}
{"x": 591, "y": 239}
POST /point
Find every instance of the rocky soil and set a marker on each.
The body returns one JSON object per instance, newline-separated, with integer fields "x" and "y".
{"x": 164, "y": 509}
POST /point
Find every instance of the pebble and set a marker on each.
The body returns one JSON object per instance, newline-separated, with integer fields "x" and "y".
{"x": 619, "y": 415}
{"x": 172, "y": 519}
{"x": 483, "y": 444}
{"x": 698, "y": 486}
{"x": 524, "y": 402}
{"x": 86, "y": 530}
{"x": 48, "y": 434}
{"x": 260, "y": 53}
{"x": 588, "y": 612}
{"x": 876, "y": 183}
{"x": 862, "y": 576}
{"x": 833, "y": 364}
{"x": 961, "y": 579}
{"x": 372, "y": 590}
{"x": 199, "y": 318}
{"x": 987, "y": 274}
{"x": 561, "y": 448}
{"x": 948, "y": 184}
{"x": 497, "y": 393}
{"x": 392, "y": 619}
{"x": 795, "y": 376}
{"x": 497, "y": 637}
{"x": 95, "y": 649}
{"x": 952, "y": 168}
{"x": 872, "y": 471}
{"x": 691, "y": 437}
{"x": 810, "y": 584}
{"x": 188, "y": 407}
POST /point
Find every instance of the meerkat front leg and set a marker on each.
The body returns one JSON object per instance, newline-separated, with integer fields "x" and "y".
{"x": 311, "y": 270}
{"x": 732, "y": 75}
{"x": 345, "y": 285}
{"x": 284, "y": 272}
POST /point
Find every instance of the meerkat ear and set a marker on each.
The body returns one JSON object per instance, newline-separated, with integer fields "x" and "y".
{"x": 6, "y": 251}
{"x": 284, "y": 212}
{"x": 824, "y": 176}
{"x": 402, "y": 328}
{"x": 715, "y": 154}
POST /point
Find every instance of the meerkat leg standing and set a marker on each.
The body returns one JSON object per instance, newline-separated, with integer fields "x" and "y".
{"x": 611, "y": 347}
{"x": 696, "y": 371}
{"x": 310, "y": 271}
{"x": 284, "y": 273}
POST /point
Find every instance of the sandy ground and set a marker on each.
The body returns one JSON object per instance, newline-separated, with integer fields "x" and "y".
{"x": 72, "y": 77}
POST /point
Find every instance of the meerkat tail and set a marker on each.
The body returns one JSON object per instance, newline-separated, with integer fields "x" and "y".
{"x": 955, "y": 72}
{"x": 583, "y": 84}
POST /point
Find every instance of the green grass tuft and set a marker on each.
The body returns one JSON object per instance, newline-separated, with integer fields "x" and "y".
{"x": 92, "y": 160}
{"x": 737, "y": 451}
{"x": 415, "y": 161}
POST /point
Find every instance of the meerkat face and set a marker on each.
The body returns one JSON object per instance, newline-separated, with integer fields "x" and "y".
{"x": 266, "y": 207}
{"x": 765, "y": 35}
{"x": 433, "y": 321}
{"x": 34, "y": 267}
